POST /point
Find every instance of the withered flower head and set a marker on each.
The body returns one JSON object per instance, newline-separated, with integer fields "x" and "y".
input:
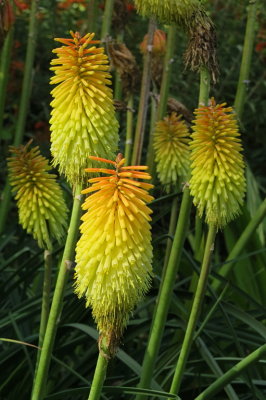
{"x": 126, "y": 66}
{"x": 201, "y": 50}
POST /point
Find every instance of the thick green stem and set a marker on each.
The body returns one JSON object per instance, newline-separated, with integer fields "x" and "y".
{"x": 45, "y": 294}
{"x": 99, "y": 378}
{"x": 246, "y": 58}
{"x": 239, "y": 245}
{"x": 195, "y": 311}
{"x": 66, "y": 265}
{"x": 164, "y": 298}
{"x": 204, "y": 90}
{"x": 23, "y": 105}
{"x": 164, "y": 91}
{"x": 5, "y": 62}
{"x": 231, "y": 374}
{"x": 144, "y": 95}
{"x": 107, "y": 19}
{"x": 129, "y": 129}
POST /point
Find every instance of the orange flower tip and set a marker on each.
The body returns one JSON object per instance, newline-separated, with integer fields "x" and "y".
{"x": 102, "y": 160}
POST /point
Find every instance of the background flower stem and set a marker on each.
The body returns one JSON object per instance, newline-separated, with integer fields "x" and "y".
{"x": 195, "y": 311}
{"x": 68, "y": 257}
{"x": 129, "y": 129}
{"x": 98, "y": 378}
{"x": 5, "y": 63}
{"x": 144, "y": 96}
{"x": 243, "y": 79}
{"x": 23, "y": 105}
{"x": 107, "y": 19}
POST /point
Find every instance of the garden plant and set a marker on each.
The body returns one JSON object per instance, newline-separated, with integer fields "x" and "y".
{"x": 132, "y": 204}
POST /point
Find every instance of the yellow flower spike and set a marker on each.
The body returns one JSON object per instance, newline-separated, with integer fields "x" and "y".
{"x": 171, "y": 139}
{"x": 179, "y": 11}
{"x": 217, "y": 183}
{"x": 83, "y": 117}
{"x": 41, "y": 206}
{"x": 114, "y": 252}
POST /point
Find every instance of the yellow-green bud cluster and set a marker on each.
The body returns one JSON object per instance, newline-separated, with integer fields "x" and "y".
{"x": 171, "y": 139}
{"x": 83, "y": 119}
{"x": 41, "y": 206}
{"x": 168, "y": 11}
{"x": 217, "y": 183}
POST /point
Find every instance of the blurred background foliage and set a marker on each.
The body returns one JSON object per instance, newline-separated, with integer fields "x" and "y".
{"x": 230, "y": 328}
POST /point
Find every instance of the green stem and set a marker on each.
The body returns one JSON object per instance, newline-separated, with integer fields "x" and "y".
{"x": 171, "y": 232}
{"x": 167, "y": 70}
{"x": 66, "y": 265}
{"x": 45, "y": 294}
{"x": 5, "y": 62}
{"x": 164, "y": 297}
{"x": 240, "y": 245}
{"x": 246, "y": 58}
{"x": 45, "y": 301}
{"x": 92, "y": 8}
{"x": 231, "y": 374}
{"x": 204, "y": 91}
{"x": 23, "y": 105}
{"x": 28, "y": 75}
{"x": 107, "y": 19}
{"x": 164, "y": 91}
{"x": 99, "y": 378}
{"x": 144, "y": 95}
{"x": 129, "y": 129}
{"x": 195, "y": 311}
{"x": 150, "y": 152}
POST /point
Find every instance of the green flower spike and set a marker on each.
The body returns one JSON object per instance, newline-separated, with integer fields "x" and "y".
{"x": 217, "y": 183}
{"x": 41, "y": 206}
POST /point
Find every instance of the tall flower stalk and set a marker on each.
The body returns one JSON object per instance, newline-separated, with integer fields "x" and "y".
{"x": 83, "y": 120}
{"x": 38, "y": 392}
{"x": 167, "y": 284}
{"x": 217, "y": 185}
{"x": 42, "y": 210}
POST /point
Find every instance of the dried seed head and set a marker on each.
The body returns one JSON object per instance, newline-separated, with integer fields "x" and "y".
{"x": 126, "y": 66}
{"x": 114, "y": 252}
{"x": 217, "y": 178}
{"x": 83, "y": 117}
{"x": 201, "y": 50}
{"x": 171, "y": 139}
{"x": 41, "y": 206}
